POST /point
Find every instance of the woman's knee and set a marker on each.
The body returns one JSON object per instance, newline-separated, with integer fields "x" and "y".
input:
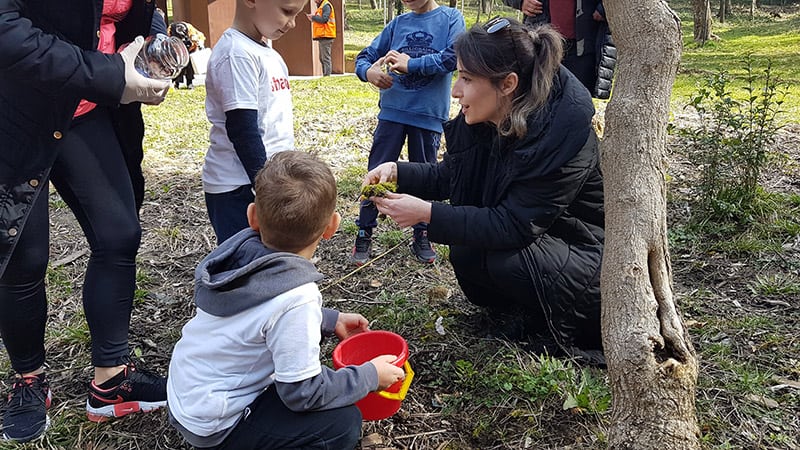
{"x": 121, "y": 239}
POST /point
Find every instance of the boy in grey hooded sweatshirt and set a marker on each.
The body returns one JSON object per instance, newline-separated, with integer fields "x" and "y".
{"x": 246, "y": 372}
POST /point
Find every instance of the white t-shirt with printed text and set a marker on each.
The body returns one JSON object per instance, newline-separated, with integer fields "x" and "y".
{"x": 244, "y": 74}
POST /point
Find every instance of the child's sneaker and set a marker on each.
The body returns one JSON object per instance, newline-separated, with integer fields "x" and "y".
{"x": 421, "y": 247}
{"x": 362, "y": 248}
{"x": 130, "y": 391}
{"x": 25, "y": 417}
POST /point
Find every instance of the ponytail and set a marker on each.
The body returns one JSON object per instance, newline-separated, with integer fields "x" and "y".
{"x": 544, "y": 49}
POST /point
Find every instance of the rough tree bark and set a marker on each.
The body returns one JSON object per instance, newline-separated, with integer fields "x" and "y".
{"x": 702, "y": 20}
{"x": 652, "y": 366}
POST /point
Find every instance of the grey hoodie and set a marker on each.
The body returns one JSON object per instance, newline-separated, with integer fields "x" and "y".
{"x": 241, "y": 274}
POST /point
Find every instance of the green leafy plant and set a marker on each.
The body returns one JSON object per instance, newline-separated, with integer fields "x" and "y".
{"x": 731, "y": 142}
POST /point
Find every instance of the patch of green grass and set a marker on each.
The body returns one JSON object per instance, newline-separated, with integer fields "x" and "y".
{"x": 349, "y": 227}
{"x": 73, "y": 331}
{"x": 396, "y": 312}
{"x": 490, "y": 380}
{"x": 171, "y": 233}
{"x": 348, "y": 181}
{"x": 390, "y": 238}
{"x": 767, "y": 38}
{"x": 750, "y": 323}
{"x": 442, "y": 252}
{"x": 774, "y": 219}
{"x": 776, "y": 284}
{"x": 57, "y": 280}
{"x": 57, "y": 203}
{"x": 177, "y": 129}
{"x": 343, "y": 97}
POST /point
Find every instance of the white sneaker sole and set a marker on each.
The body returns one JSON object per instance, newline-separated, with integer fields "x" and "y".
{"x": 104, "y": 413}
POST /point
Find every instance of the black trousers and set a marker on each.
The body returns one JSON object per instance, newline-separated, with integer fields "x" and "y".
{"x": 502, "y": 282}
{"x": 269, "y": 424}
{"x": 584, "y": 67}
{"x": 91, "y": 175}
{"x": 186, "y": 74}
{"x": 387, "y": 143}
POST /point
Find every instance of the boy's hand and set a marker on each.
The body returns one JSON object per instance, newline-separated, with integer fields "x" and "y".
{"x": 397, "y": 61}
{"x": 349, "y": 324}
{"x": 377, "y": 77}
{"x": 388, "y": 373}
{"x": 531, "y": 7}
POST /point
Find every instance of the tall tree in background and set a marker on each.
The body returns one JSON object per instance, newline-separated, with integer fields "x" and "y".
{"x": 652, "y": 366}
{"x": 702, "y": 20}
{"x": 724, "y": 10}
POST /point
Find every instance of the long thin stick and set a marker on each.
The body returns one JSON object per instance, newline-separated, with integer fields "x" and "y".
{"x": 363, "y": 265}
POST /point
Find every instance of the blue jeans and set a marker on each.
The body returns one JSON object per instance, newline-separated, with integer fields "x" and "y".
{"x": 387, "y": 143}
{"x": 228, "y": 211}
{"x": 92, "y": 178}
{"x": 271, "y": 425}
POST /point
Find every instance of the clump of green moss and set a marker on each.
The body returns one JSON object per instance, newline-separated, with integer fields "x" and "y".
{"x": 378, "y": 190}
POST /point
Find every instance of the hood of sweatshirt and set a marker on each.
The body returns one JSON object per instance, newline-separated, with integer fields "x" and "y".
{"x": 242, "y": 273}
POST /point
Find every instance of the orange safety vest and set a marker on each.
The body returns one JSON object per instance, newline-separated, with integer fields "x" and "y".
{"x": 324, "y": 30}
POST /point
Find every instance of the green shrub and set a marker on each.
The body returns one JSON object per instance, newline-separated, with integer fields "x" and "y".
{"x": 730, "y": 144}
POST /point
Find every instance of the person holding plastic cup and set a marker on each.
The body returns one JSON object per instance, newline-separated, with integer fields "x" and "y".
{"x": 61, "y": 84}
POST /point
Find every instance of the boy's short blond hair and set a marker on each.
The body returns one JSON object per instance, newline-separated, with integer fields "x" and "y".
{"x": 295, "y": 200}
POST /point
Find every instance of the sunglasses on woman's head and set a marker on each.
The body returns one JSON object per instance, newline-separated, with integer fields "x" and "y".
{"x": 500, "y": 23}
{"x": 496, "y": 24}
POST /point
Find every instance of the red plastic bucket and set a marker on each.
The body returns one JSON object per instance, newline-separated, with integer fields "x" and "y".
{"x": 362, "y": 347}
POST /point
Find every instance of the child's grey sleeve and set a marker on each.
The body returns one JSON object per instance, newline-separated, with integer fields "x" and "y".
{"x": 330, "y": 389}
{"x": 329, "y": 319}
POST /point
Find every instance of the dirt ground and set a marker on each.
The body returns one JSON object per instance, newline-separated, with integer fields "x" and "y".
{"x": 177, "y": 235}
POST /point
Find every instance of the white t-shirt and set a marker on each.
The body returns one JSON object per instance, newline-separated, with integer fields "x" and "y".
{"x": 221, "y": 364}
{"x": 244, "y": 74}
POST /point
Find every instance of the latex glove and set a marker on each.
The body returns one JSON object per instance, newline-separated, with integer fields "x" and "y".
{"x": 139, "y": 88}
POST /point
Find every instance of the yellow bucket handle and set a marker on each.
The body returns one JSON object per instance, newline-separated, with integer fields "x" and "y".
{"x": 401, "y": 394}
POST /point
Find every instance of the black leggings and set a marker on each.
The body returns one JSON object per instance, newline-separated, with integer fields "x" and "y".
{"x": 91, "y": 176}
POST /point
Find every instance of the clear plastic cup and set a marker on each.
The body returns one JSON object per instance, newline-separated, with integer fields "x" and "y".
{"x": 162, "y": 57}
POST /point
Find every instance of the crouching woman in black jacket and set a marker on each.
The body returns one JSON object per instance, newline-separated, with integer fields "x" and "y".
{"x": 525, "y": 216}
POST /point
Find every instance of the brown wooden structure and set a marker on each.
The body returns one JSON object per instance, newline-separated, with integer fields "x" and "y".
{"x": 300, "y": 52}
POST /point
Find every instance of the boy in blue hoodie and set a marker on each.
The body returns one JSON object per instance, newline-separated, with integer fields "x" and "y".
{"x": 412, "y": 62}
{"x": 246, "y": 372}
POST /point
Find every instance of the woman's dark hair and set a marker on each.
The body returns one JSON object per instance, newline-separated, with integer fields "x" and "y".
{"x": 534, "y": 54}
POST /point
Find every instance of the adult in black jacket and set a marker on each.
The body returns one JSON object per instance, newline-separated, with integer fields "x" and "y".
{"x": 525, "y": 217}
{"x": 53, "y": 54}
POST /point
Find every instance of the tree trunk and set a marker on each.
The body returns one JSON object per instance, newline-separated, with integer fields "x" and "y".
{"x": 702, "y": 20}
{"x": 724, "y": 10}
{"x": 652, "y": 366}
{"x": 453, "y": 3}
{"x": 373, "y": 4}
{"x": 388, "y": 11}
